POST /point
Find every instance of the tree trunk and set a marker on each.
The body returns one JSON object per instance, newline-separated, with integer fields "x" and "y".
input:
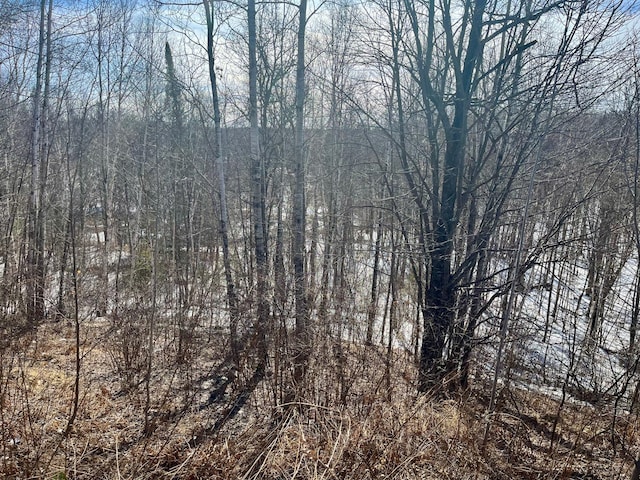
{"x": 35, "y": 258}
{"x": 635, "y": 475}
{"x": 218, "y": 159}
{"x": 257, "y": 200}
{"x": 440, "y": 295}
{"x": 373, "y": 302}
{"x": 303, "y": 340}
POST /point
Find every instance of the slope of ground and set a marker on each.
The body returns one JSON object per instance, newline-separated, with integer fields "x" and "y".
{"x": 366, "y": 426}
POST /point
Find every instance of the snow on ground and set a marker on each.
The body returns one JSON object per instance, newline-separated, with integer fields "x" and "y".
{"x": 548, "y": 339}
{"x": 548, "y": 336}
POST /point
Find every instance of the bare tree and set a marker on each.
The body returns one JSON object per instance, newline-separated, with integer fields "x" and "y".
{"x": 303, "y": 340}
{"x": 222, "y": 185}
{"x": 473, "y": 73}
{"x": 258, "y": 203}
{"x": 35, "y": 260}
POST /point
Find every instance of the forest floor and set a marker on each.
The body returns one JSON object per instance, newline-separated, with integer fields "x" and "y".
{"x": 359, "y": 422}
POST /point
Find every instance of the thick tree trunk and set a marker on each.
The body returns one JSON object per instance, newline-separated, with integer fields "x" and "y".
{"x": 439, "y": 314}
{"x": 440, "y": 297}
{"x": 635, "y": 475}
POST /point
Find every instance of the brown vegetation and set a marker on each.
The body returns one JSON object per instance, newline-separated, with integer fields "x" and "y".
{"x": 373, "y": 433}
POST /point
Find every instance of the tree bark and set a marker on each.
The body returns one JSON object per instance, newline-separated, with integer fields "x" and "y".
{"x": 35, "y": 256}
{"x": 303, "y": 340}
{"x": 440, "y": 295}
{"x": 635, "y": 475}
{"x": 223, "y": 220}
{"x": 257, "y": 199}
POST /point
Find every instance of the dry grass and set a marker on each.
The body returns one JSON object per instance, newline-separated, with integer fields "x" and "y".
{"x": 351, "y": 427}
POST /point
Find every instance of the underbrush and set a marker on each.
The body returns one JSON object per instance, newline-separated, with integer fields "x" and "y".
{"x": 360, "y": 419}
